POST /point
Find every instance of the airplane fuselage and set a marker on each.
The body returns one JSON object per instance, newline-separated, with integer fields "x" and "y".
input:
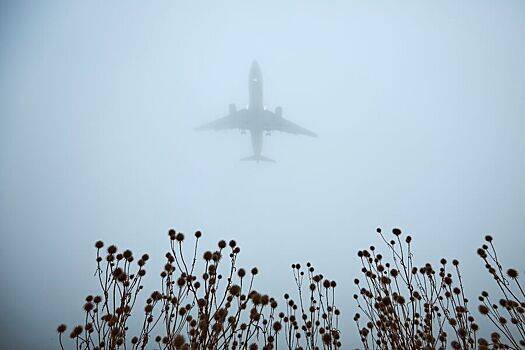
{"x": 256, "y": 108}
{"x": 255, "y": 86}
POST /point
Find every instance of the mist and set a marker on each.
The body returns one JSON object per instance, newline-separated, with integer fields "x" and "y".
{"x": 419, "y": 108}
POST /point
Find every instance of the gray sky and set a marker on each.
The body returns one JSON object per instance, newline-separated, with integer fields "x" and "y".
{"x": 419, "y": 107}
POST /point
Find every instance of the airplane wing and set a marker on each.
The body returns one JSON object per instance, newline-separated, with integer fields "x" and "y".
{"x": 235, "y": 120}
{"x": 280, "y": 124}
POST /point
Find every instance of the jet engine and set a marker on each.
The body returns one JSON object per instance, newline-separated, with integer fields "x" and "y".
{"x": 233, "y": 109}
{"x": 279, "y": 111}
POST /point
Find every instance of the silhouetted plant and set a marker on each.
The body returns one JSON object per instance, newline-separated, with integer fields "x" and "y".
{"x": 216, "y": 308}
{"x": 314, "y": 317}
{"x": 210, "y": 303}
{"x": 507, "y": 317}
{"x": 404, "y": 306}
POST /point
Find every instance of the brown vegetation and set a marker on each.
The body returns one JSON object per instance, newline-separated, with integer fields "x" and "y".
{"x": 508, "y": 318}
{"x": 215, "y": 308}
{"x": 208, "y": 302}
{"x": 404, "y": 306}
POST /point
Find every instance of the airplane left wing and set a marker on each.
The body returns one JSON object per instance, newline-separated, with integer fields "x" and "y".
{"x": 280, "y": 124}
{"x": 235, "y": 120}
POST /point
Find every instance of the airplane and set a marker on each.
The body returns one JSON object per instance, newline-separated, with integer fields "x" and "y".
{"x": 256, "y": 119}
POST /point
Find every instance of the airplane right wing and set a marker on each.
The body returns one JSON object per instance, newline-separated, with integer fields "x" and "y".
{"x": 235, "y": 120}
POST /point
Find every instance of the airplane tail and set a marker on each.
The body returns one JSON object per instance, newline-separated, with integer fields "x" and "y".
{"x": 258, "y": 159}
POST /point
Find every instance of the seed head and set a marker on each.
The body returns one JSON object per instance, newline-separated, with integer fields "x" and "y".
{"x": 512, "y": 273}
{"x": 178, "y": 341}
{"x": 127, "y": 254}
{"x": 207, "y": 255}
{"x": 482, "y": 253}
{"x": 483, "y": 309}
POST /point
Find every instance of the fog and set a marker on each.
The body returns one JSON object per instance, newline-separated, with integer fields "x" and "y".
{"x": 419, "y": 108}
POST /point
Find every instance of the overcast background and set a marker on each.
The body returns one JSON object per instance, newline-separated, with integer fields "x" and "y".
{"x": 419, "y": 107}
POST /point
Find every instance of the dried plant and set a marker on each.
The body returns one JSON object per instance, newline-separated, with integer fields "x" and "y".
{"x": 508, "y": 317}
{"x": 404, "y": 306}
{"x": 207, "y": 302}
{"x": 216, "y": 308}
{"x": 315, "y": 317}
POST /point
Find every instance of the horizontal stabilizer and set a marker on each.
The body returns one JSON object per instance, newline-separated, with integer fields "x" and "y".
{"x": 259, "y": 159}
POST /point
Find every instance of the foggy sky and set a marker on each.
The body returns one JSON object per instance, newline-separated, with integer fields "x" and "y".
{"x": 419, "y": 107}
